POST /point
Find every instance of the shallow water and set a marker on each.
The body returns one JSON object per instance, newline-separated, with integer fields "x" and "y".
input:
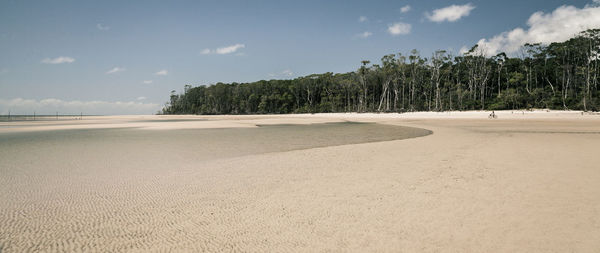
{"x": 128, "y": 188}
{"x": 200, "y": 143}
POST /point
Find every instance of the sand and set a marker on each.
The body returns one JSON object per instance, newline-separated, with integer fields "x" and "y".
{"x": 525, "y": 182}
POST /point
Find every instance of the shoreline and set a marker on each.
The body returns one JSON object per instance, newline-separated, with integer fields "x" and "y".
{"x": 164, "y": 122}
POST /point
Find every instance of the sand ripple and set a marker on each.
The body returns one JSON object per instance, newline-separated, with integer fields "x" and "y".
{"x": 473, "y": 186}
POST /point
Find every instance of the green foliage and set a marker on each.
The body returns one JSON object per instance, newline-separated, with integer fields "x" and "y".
{"x": 562, "y": 75}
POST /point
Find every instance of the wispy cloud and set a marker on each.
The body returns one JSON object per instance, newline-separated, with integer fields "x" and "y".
{"x": 405, "y": 9}
{"x": 162, "y": 72}
{"x": 560, "y": 25}
{"x": 287, "y": 73}
{"x": 53, "y": 105}
{"x": 363, "y": 19}
{"x": 451, "y": 13}
{"x": 224, "y": 50}
{"x": 594, "y": 3}
{"x": 58, "y": 60}
{"x": 147, "y": 81}
{"x": 103, "y": 27}
{"x": 115, "y": 70}
{"x": 230, "y": 49}
{"x": 364, "y": 35}
{"x": 399, "y": 28}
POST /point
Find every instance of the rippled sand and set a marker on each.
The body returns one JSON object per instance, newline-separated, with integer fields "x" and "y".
{"x": 183, "y": 184}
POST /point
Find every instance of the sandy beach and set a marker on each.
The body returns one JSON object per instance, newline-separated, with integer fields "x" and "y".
{"x": 414, "y": 182}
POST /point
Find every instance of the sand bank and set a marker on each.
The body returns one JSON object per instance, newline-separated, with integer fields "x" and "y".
{"x": 521, "y": 183}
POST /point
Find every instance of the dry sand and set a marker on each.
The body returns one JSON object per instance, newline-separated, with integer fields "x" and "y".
{"x": 525, "y": 182}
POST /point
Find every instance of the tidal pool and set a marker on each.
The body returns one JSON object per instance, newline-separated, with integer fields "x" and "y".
{"x": 195, "y": 143}
{"x": 128, "y": 188}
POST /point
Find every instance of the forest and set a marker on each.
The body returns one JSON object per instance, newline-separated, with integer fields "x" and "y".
{"x": 562, "y": 75}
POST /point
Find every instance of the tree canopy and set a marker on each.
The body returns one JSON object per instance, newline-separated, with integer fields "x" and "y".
{"x": 562, "y": 75}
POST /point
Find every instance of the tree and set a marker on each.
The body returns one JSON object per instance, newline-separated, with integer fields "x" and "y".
{"x": 562, "y": 75}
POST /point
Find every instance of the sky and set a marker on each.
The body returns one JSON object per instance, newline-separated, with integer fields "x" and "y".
{"x": 124, "y": 57}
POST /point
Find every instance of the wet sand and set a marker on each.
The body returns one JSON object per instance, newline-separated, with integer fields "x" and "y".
{"x": 521, "y": 183}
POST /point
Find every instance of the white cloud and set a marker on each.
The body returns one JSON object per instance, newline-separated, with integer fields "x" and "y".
{"x": 451, "y": 13}
{"x": 162, "y": 72}
{"x": 229, "y": 49}
{"x": 103, "y": 27}
{"x": 362, "y": 19}
{"x": 58, "y": 60}
{"x": 405, "y": 9}
{"x": 141, "y": 98}
{"x": 224, "y": 50}
{"x": 147, "y": 81}
{"x": 287, "y": 72}
{"x": 283, "y": 74}
{"x": 464, "y": 50}
{"x": 52, "y": 105}
{"x": 364, "y": 35}
{"x": 595, "y": 3}
{"x": 115, "y": 70}
{"x": 560, "y": 25}
{"x": 399, "y": 28}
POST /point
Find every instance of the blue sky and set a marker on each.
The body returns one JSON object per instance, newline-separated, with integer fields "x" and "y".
{"x": 136, "y": 52}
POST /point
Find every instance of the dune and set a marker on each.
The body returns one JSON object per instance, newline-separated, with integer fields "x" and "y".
{"x": 414, "y": 182}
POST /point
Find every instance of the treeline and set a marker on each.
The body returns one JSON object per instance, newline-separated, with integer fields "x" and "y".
{"x": 557, "y": 76}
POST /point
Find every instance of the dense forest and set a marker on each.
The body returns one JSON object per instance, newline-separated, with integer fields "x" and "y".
{"x": 561, "y": 75}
